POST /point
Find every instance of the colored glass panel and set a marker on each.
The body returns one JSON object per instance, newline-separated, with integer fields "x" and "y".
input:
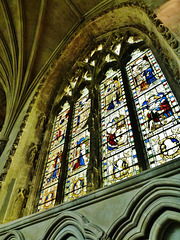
{"x": 47, "y": 198}
{"x": 79, "y": 149}
{"x": 118, "y": 150}
{"x": 157, "y": 109}
{"x": 53, "y": 166}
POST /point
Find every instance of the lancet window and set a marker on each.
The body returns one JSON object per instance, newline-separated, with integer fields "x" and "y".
{"x": 157, "y": 108}
{"x": 79, "y": 152}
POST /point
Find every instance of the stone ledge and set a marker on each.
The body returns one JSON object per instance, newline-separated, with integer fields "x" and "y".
{"x": 164, "y": 171}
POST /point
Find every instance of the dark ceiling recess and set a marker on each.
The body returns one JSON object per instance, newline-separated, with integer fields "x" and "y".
{"x": 2, "y": 106}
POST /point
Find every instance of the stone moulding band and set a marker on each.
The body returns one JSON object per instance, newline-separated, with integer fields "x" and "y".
{"x": 14, "y": 235}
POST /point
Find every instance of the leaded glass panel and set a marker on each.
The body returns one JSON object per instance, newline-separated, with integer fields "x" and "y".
{"x": 53, "y": 166}
{"x": 118, "y": 150}
{"x": 79, "y": 149}
{"x": 157, "y": 108}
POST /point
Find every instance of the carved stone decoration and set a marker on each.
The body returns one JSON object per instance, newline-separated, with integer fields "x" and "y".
{"x": 150, "y": 207}
{"x": 174, "y": 43}
{"x": 161, "y": 28}
{"x": 41, "y": 121}
{"x": 32, "y": 153}
{"x": 70, "y": 225}
{"x": 32, "y": 160}
{"x": 13, "y": 235}
{"x": 19, "y": 203}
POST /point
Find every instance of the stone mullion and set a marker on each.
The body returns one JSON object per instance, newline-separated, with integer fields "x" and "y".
{"x": 98, "y": 132}
{"x": 64, "y": 164}
{"x": 93, "y": 170}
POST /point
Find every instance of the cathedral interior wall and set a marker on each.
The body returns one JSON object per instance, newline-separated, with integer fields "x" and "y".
{"x": 138, "y": 201}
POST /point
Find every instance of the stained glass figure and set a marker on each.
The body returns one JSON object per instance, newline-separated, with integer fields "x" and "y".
{"x": 157, "y": 107}
{"x": 53, "y": 166}
{"x": 79, "y": 149}
{"x": 118, "y": 150}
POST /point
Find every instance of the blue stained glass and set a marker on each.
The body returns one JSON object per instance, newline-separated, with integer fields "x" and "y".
{"x": 157, "y": 104}
{"x": 79, "y": 149}
{"x": 53, "y": 166}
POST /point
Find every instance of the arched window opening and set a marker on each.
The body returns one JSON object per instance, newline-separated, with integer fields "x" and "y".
{"x": 53, "y": 166}
{"x": 120, "y": 94}
{"x": 79, "y": 149}
{"x": 156, "y": 107}
{"x": 118, "y": 150}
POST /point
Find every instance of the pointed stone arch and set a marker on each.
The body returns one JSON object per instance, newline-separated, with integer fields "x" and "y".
{"x": 70, "y": 225}
{"x": 171, "y": 220}
{"x": 149, "y": 208}
{"x": 13, "y": 235}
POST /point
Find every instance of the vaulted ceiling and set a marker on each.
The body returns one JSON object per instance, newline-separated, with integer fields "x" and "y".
{"x": 30, "y": 34}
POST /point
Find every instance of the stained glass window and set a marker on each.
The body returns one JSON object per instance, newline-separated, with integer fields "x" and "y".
{"x": 53, "y": 166}
{"x": 139, "y": 121}
{"x": 118, "y": 150}
{"x": 157, "y": 108}
{"x": 79, "y": 149}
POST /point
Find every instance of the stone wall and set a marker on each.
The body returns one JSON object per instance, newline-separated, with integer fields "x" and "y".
{"x": 145, "y": 205}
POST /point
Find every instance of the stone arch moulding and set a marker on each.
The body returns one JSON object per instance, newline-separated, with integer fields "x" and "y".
{"x": 70, "y": 225}
{"x": 13, "y": 235}
{"x": 93, "y": 22}
{"x": 150, "y": 206}
{"x": 166, "y": 219}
